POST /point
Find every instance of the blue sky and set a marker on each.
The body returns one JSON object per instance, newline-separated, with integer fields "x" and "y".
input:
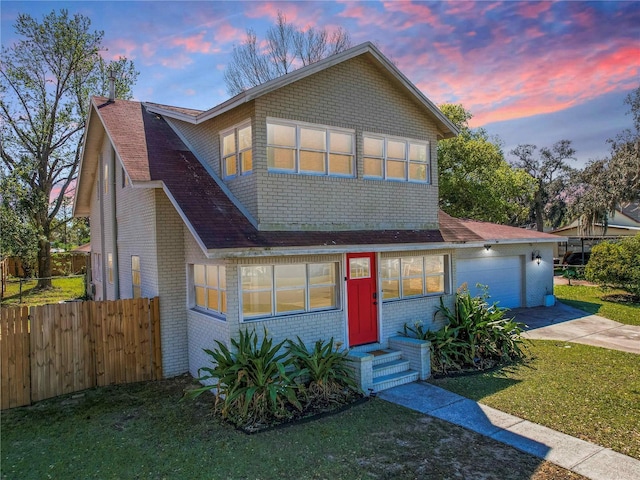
{"x": 530, "y": 72}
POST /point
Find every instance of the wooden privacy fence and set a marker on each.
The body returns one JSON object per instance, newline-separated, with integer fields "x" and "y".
{"x": 62, "y": 348}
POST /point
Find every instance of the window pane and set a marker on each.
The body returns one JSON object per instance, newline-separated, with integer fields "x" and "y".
{"x": 390, "y": 289}
{"x": 435, "y": 284}
{"x": 417, "y": 153}
{"x": 244, "y": 138}
{"x": 223, "y": 302}
{"x": 254, "y": 278}
{"x": 322, "y": 273}
{"x": 311, "y": 161}
{"x": 341, "y": 142}
{"x": 283, "y": 135}
{"x": 281, "y": 158}
{"x": 290, "y": 276}
{"x": 434, "y": 264}
{"x": 322, "y": 297}
{"x": 228, "y": 144}
{"x": 313, "y": 139}
{"x": 135, "y": 278}
{"x": 359, "y": 268}
{"x": 396, "y": 149}
{"x": 341, "y": 164}
{"x": 256, "y": 303}
{"x": 411, "y": 266}
{"x": 411, "y": 286}
{"x": 390, "y": 268}
{"x": 137, "y": 292}
{"x": 212, "y": 275}
{"x": 373, "y": 146}
{"x": 230, "y": 166}
{"x": 418, "y": 171}
{"x": 396, "y": 169}
{"x": 289, "y": 300}
{"x": 212, "y": 296}
{"x": 246, "y": 161}
{"x": 200, "y": 297}
{"x": 373, "y": 167}
{"x": 198, "y": 274}
{"x": 135, "y": 262}
{"x": 223, "y": 278}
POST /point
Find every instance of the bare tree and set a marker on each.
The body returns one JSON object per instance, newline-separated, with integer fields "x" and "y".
{"x": 551, "y": 171}
{"x": 287, "y": 48}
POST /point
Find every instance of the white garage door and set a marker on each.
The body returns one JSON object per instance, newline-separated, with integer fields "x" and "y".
{"x": 503, "y": 275}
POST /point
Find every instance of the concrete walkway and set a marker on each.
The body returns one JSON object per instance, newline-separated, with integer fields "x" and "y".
{"x": 562, "y": 322}
{"x": 592, "y": 461}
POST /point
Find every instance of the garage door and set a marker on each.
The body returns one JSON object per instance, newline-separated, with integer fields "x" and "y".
{"x": 503, "y": 275}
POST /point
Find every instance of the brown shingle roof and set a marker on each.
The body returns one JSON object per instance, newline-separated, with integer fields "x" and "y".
{"x": 151, "y": 151}
{"x": 492, "y": 231}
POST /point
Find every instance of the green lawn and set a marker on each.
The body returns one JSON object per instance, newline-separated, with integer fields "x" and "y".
{"x": 590, "y": 299}
{"x": 144, "y": 431}
{"x": 588, "y": 392}
{"x": 63, "y": 289}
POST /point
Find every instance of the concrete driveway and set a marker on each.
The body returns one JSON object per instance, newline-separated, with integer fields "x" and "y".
{"x": 562, "y": 322}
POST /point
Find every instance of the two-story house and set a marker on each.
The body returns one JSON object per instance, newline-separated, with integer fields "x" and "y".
{"x": 307, "y": 205}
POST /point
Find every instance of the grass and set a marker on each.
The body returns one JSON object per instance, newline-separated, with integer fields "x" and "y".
{"x": 587, "y": 392}
{"x": 590, "y": 299}
{"x": 64, "y": 288}
{"x": 144, "y": 431}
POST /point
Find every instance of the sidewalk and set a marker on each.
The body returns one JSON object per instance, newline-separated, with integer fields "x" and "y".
{"x": 562, "y": 322}
{"x": 592, "y": 461}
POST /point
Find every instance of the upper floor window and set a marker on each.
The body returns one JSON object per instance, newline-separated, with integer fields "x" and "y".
{"x": 210, "y": 284}
{"x": 309, "y": 149}
{"x": 270, "y": 290}
{"x": 415, "y": 276}
{"x": 396, "y": 159}
{"x": 237, "y": 154}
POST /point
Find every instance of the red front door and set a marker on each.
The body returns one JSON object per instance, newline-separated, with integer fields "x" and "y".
{"x": 362, "y": 298}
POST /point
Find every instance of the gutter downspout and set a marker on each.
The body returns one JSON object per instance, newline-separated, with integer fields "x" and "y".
{"x": 114, "y": 227}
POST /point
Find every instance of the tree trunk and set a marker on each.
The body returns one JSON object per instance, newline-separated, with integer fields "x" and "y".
{"x": 539, "y": 210}
{"x": 44, "y": 259}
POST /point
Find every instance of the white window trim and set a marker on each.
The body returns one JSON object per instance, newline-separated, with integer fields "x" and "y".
{"x": 446, "y": 274}
{"x": 192, "y": 289}
{"x": 237, "y": 151}
{"x": 407, "y": 161}
{"x": 327, "y": 151}
{"x": 273, "y": 290}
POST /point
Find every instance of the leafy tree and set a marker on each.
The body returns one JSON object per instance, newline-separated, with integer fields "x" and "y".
{"x": 616, "y": 264}
{"x": 287, "y": 48}
{"x": 475, "y": 181}
{"x": 606, "y": 183}
{"x": 551, "y": 172}
{"x": 46, "y": 79}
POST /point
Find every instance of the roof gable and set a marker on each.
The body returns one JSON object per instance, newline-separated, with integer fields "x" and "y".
{"x": 446, "y": 128}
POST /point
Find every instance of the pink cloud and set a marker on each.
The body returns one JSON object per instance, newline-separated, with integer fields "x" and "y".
{"x": 120, "y": 47}
{"x": 193, "y": 44}
{"x": 225, "y": 33}
{"x": 178, "y": 61}
{"x": 270, "y": 9}
{"x": 533, "y": 9}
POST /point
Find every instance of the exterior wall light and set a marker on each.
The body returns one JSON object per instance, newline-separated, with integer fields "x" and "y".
{"x": 487, "y": 247}
{"x": 535, "y": 256}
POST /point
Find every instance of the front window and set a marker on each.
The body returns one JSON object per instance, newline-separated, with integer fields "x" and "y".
{"x": 210, "y": 288}
{"x": 310, "y": 149}
{"x": 237, "y": 153}
{"x": 396, "y": 159}
{"x": 413, "y": 276}
{"x": 271, "y": 290}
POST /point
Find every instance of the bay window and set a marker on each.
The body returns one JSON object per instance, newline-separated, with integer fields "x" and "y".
{"x": 210, "y": 288}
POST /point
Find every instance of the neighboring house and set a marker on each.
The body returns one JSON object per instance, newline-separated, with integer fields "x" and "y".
{"x": 307, "y": 205}
{"x": 623, "y": 222}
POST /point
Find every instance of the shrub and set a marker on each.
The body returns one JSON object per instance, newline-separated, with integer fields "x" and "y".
{"x": 252, "y": 385}
{"x": 476, "y": 336}
{"x": 616, "y": 264}
{"x": 325, "y": 367}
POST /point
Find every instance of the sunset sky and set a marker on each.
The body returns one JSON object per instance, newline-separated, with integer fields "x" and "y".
{"x": 530, "y": 72}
